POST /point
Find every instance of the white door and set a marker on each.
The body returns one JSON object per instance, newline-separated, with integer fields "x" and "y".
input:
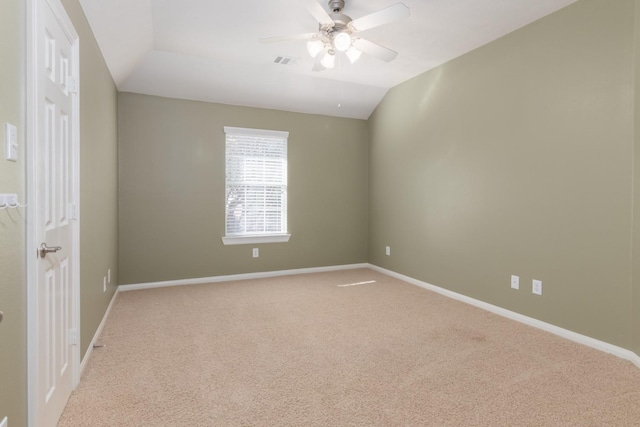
{"x": 56, "y": 225}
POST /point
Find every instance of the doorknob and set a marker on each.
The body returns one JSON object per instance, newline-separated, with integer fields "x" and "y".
{"x": 44, "y": 250}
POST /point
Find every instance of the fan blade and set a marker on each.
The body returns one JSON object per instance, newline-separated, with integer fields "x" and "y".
{"x": 294, "y": 37}
{"x": 319, "y": 13}
{"x": 381, "y": 17}
{"x": 375, "y": 49}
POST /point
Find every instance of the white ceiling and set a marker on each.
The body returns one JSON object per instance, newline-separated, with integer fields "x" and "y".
{"x": 209, "y": 50}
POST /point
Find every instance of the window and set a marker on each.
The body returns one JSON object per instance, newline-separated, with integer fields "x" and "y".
{"x": 256, "y": 186}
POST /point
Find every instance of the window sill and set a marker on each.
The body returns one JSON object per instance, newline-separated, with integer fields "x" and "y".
{"x": 250, "y": 240}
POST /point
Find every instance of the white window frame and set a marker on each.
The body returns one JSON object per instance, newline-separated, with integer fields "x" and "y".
{"x": 244, "y": 239}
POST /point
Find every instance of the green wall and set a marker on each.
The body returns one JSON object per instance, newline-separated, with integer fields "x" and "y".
{"x": 518, "y": 158}
{"x": 13, "y": 291}
{"x": 635, "y": 309}
{"x": 172, "y": 190}
{"x": 98, "y": 210}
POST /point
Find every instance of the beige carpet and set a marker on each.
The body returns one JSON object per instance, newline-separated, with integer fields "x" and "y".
{"x": 302, "y": 351}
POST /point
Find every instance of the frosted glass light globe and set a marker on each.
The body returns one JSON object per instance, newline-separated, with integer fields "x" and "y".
{"x": 329, "y": 60}
{"x": 315, "y": 47}
{"x": 342, "y": 42}
{"x": 353, "y": 54}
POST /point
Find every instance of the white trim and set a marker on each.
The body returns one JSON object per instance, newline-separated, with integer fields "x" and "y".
{"x": 250, "y": 240}
{"x": 87, "y": 355}
{"x": 32, "y": 10}
{"x": 256, "y": 132}
{"x": 65, "y": 21}
{"x": 246, "y": 276}
{"x": 623, "y": 353}
{"x": 556, "y": 330}
{"x": 75, "y": 186}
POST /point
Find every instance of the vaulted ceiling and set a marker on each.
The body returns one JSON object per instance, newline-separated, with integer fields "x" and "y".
{"x": 209, "y": 50}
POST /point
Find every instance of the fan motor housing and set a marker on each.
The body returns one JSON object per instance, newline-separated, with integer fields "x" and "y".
{"x": 340, "y": 20}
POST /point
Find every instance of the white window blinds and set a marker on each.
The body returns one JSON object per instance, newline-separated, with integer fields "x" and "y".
{"x": 256, "y": 182}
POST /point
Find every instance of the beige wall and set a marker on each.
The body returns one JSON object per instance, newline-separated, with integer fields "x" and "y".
{"x": 172, "y": 190}
{"x": 635, "y": 315}
{"x": 13, "y": 368}
{"x": 517, "y": 158}
{"x": 98, "y": 117}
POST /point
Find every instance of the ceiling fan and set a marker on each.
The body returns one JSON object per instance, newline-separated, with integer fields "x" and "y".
{"x": 337, "y": 33}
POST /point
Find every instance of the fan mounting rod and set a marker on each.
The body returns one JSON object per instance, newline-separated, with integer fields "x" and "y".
{"x": 336, "y": 5}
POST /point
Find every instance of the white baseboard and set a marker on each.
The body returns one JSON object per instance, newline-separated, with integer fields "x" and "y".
{"x": 87, "y": 355}
{"x": 246, "y": 276}
{"x": 556, "y": 330}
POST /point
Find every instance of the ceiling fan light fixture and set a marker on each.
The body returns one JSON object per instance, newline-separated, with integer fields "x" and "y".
{"x": 339, "y": 35}
{"x": 342, "y": 41}
{"x": 329, "y": 60}
{"x": 314, "y": 47}
{"x": 353, "y": 54}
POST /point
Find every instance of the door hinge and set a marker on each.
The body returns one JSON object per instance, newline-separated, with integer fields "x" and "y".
{"x": 74, "y": 211}
{"x": 73, "y": 336}
{"x": 72, "y": 84}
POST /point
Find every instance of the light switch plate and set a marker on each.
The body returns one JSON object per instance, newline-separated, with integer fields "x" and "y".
{"x": 11, "y": 142}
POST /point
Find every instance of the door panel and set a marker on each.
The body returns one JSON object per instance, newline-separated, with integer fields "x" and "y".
{"x": 56, "y": 104}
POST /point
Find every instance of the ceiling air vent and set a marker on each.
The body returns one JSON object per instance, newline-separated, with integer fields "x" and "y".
{"x": 285, "y": 60}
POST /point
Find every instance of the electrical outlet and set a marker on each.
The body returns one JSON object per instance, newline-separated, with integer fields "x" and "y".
{"x": 388, "y": 250}
{"x": 536, "y": 287}
{"x": 104, "y": 284}
{"x": 256, "y": 252}
{"x": 515, "y": 282}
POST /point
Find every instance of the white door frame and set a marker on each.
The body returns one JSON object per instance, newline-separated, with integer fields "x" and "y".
{"x": 32, "y": 13}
